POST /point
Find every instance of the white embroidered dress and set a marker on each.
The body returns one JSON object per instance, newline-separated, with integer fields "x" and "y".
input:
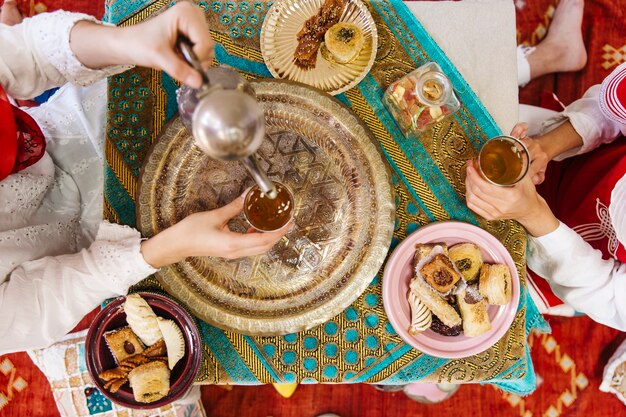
{"x": 57, "y": 260}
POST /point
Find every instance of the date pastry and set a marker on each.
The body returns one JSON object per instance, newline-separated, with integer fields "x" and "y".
{"x": 123, "y": 343}
{"x": 142, "y": 319}
{"x": 468, "y": 260}
{"x": 495, "y": 283}
{"x": 150, "y": 382}
{"x": 174, "y": 341}
{"x": 442, "y": 329}
{"x": 421, "y": 316}
{"x": 473, "y": 311}
{"x": 440, "y": 273}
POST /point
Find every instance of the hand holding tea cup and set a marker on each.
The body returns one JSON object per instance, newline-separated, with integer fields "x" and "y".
{"x": 207, "y": 234}
{"x": 519, "y": 202}
{"x": 539, "y": 158}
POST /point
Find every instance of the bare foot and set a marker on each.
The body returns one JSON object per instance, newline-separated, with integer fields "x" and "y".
{"x": 563, "y": 48}
{"x": 9, "y": 14}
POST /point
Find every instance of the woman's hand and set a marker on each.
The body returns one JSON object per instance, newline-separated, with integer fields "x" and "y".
{"x": 153, "y": 43}
{"x": 149, "y": 44}
{"x": 538, "y": 160}
{"x": 207, "y": 234}
{"x": 538, "y": 157}
{"x": 520, "y": 202}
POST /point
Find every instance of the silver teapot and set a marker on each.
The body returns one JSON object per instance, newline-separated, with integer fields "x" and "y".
{"x": 224, "y": 117}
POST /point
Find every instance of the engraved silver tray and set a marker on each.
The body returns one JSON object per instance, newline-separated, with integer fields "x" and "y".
{"x": 344, "y": 215}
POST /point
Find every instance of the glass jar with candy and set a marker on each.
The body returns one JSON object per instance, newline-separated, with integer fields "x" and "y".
{"x": 421, "y": 99}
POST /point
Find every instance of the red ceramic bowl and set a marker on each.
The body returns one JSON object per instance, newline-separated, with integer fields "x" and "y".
{"x": 112, "y": 317}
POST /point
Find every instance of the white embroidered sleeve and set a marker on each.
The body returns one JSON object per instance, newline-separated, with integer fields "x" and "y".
{"x": 579, "y": 276}
{"x": 588, "y": 120}
{"x": 36, "y": 55}
{"x": 44, "y": 299}
{"x": 617, "y": 209}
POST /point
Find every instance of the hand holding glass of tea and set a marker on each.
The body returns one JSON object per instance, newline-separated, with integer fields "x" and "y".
{"x": 498, "y": 187}
{"x": 539, "y": 157}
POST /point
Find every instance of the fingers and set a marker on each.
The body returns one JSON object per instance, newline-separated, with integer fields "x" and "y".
{"x": 187, "y": 19}
{"x": 537, "y": 172}
{"x": 528, "y": 142}
{"x": 478, "y": 182}
{"x": 477, "y": 202}
{"x": 539, "y": 161}
{"x": 230, "y": 210}
{"x": 485, "y": 199}
{"x": 519, "y": 130}
{"x": 171, "y": 63}
{"x": 539, "y": 177}
{"x": 251, "y": 244}
{"x": 192, "y": 23}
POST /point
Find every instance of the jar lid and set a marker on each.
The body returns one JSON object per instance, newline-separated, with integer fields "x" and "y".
{"x": 433, "y": 88}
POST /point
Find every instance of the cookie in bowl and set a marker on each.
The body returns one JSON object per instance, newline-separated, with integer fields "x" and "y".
{"x": 156, "y": 373}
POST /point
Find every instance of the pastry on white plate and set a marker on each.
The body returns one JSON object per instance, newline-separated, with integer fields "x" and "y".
{"x": 344, "y": 41}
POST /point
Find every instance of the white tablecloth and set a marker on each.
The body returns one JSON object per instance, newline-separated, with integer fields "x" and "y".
{"x": 479, "y": 37}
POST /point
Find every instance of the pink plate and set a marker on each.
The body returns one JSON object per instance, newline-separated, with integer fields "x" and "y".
{"x": 398, "y": 274}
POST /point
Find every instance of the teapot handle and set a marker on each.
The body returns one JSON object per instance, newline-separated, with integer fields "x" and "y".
{"x": 186, "y": 48}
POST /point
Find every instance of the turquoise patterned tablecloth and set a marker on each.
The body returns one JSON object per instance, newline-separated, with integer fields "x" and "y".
{"x": 359, "y": 345}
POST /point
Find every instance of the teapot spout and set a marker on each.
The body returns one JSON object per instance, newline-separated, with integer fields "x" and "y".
{"x": 265, "y": 184}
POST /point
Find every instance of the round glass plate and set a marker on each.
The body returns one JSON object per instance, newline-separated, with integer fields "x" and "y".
{"x": 399, "y": 272}
{"x": 344, "y": 215}
{"x": 278, "y": 43}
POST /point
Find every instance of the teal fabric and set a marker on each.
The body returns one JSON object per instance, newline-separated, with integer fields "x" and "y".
{"x": 519, "y": 378}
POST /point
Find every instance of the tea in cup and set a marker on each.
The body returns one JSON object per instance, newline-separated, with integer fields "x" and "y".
{"x": 267, "y": 214}
{"x": 503, "y": 160}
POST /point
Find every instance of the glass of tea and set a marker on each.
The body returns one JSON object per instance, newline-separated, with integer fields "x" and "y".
{"x": 267, "y": 214}
{"x": 503, "y": 160}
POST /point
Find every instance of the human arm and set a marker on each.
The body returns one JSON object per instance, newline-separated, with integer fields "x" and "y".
{"x": 519, "y": 202}
{"x": 208, "y": 234}
{"x": 580, "y": 128}
{"x": 580, "y": 276}
{"x": 42, "y": 300}
{"x": 51, "y": 49}
{"x": 35, "y": 55}
{"x": 576, "y": 272}
{"x": 151, "y": 43}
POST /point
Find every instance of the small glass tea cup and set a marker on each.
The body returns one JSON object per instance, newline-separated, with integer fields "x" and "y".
{"x": 503, "y": 160}
{"x": 269, "y": 214}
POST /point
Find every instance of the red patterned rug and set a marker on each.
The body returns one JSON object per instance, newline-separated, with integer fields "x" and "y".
{"x": 569, "y": 362}
{"x": 604, "y": 33}
{"x": 32, "y": 7}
